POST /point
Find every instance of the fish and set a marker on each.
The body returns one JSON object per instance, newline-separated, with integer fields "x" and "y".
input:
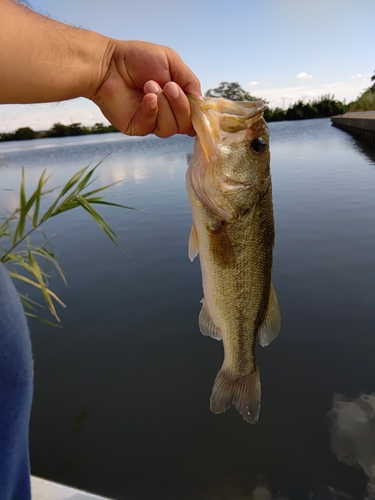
{"x": 229, "y": 187}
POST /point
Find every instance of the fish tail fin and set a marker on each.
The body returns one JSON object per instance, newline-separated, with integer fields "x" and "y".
{"x": 243, "y": 392}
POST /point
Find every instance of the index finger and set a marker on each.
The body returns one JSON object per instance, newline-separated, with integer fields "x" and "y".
{"x": 180, "y": 107}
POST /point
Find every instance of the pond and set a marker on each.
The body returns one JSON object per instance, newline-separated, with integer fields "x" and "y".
{"x": 121, "y": 403}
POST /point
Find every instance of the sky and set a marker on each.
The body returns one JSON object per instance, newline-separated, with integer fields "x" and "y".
{"x": 279, "y": 50}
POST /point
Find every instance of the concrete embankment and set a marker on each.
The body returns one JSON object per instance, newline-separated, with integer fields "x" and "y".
{"x": 360, "y": 124}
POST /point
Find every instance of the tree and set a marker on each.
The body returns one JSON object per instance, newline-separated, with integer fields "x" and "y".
{"x": 24, "y": 133}
{"x": 366, "y": 100}
{"x": 274, "y": 115}
{"x": 60, "y": 130}
{"x": 327, "y": 106}
{"x": 19, "y": 135}
{"x": 77, "y": 129}
{"x": 232, "y": 91}
{"x": 57, "y": 130}
{"x": 99, "y": 128}
{"x": 372, "y": 88}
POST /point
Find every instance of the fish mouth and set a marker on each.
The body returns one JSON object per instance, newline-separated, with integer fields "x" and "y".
{"x": 212, "y": 118}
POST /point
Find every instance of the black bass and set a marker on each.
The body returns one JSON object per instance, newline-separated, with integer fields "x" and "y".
{"x": 229, "y": 188}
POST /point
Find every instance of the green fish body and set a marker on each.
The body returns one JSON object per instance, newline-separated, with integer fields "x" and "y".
{"x": 229, "y": 188}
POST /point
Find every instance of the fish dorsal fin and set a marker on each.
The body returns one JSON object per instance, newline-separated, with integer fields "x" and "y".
{"x": 193, "y": 243}
{"x": 206, "y": 324}
{"x": 270, "y": 327}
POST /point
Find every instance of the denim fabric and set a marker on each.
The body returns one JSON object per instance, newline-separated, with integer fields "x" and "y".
{"x": 16, "y": 382}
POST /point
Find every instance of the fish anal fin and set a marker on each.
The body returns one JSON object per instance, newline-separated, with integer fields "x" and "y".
{"x": 243, "y": 392}
{"x": 193, "y": 243}
{"x": 270, "y": 327}
{"x": 206, "y": 324}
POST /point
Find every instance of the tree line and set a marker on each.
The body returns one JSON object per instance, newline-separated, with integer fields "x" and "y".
{"x": 57, "y": 130}
{"x": 323, "y": 107}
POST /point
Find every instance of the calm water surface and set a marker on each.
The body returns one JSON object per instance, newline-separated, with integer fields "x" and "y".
{"x": 122, "y": 391}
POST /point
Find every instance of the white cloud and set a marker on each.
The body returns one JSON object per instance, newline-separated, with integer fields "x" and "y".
{"x": 360, "y": 76}
{"x": 352, "y": 434}
{"x": 303, "y": 76}
{"x": 253, "y": 84}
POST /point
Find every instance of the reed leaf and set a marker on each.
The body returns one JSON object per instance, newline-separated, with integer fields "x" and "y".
{"x": 97, "y": 218}
{"x": 20, "y": 225}
{"x": 41, "y": 319}
{"x": 38, "y": 197}
{"x": 22, "y": 212}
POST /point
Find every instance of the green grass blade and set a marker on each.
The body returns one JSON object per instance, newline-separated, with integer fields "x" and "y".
{"x": 22, "y": 214}
{"x": 68, "y": 186}
{"x": 28, "y": 302}
{"x": 42, "y": 320}
{"x": 33, "y": 198}
{"x": 73, "y": 181}
{"x": 50, "y": 257}
{"x": 71, "y": 195}
{"x": 97, "y": 218}
{"x": 39, "y": 277}
{"x": 38, "y": 196}
{"x": 20, "y": 277}
{"x": 103, "y": 188}
{"x": 86, "y": 180}
{"x": 97, "y": 201}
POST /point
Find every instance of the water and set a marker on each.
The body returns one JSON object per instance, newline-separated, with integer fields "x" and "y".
{"x": 122, "y": 391}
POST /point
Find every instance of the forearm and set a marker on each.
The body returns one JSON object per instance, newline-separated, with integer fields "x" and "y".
{"x": 42, "y": 60}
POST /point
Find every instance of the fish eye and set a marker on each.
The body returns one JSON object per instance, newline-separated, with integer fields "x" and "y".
{"x": 259, "y": 145}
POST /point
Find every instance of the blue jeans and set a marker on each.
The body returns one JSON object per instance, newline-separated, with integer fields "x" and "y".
{"x": 16, "y": 387}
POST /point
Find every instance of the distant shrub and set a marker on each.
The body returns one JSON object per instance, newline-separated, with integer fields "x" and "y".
{"x": 365, "y": 102}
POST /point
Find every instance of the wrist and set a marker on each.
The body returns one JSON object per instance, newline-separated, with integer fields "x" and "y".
{"x": 95, "y": 61}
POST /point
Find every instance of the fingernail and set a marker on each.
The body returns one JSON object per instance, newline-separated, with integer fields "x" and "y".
{"x": 172, "y": 90}
{"x": 152, "y": 87}
{"x": 154, "y": 103}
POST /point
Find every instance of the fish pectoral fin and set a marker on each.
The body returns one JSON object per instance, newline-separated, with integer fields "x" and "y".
{"x": 193, "y": 243}
{"x": 206, "y": 324}
{"x": 270, "y": 327}
{"x": 242, "y": 392}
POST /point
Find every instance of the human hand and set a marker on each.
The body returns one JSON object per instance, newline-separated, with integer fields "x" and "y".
{"x": 144, "y": 90}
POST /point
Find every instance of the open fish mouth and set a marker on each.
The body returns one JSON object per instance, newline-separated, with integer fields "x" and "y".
{"x": 244, "y": 109}
{"x": 213, "y": 118}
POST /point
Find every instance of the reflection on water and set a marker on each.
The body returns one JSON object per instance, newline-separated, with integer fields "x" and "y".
{"x": 353, "y": 434}
{"x": 130, "y": 352}
{"x": 366, "y": 148}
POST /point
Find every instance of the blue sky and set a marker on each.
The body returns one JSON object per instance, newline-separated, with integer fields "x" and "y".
{"x": 280, "y": 50}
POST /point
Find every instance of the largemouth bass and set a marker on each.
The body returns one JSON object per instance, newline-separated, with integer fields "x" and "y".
{"x": 229, "y": 188}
